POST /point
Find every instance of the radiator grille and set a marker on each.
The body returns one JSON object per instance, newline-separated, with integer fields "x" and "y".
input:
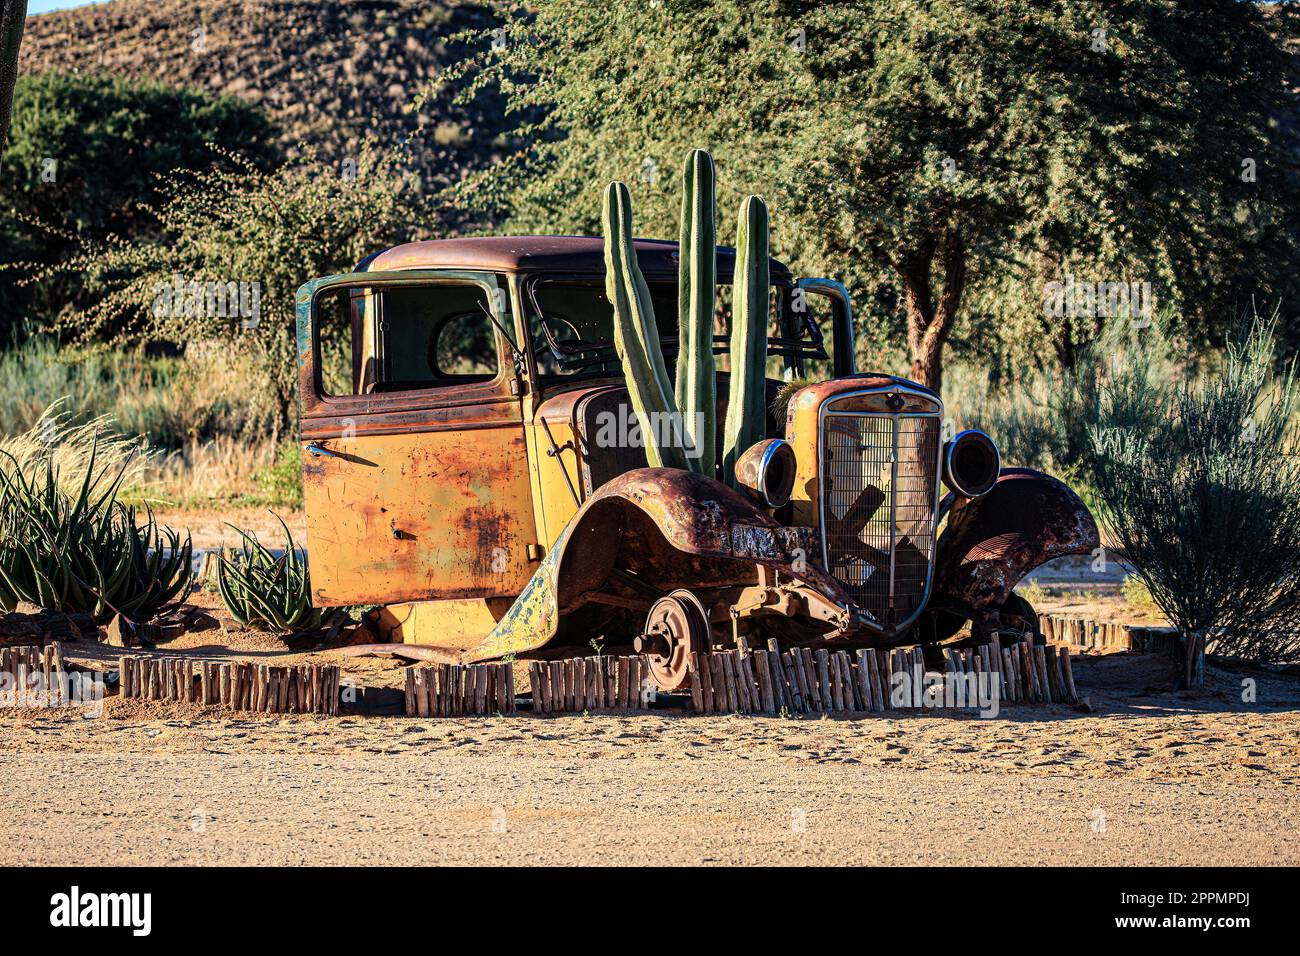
{"x": 879, "y": 476}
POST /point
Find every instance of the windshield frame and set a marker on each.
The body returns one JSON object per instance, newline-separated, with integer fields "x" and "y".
{"x": 534, "y": 319}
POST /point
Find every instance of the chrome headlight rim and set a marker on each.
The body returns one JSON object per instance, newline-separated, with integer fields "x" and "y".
{"x": 954, "y": 445}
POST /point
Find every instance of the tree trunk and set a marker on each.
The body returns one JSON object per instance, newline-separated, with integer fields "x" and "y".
{"x": 928, "y": 322}
{"x": 13, "y": 16}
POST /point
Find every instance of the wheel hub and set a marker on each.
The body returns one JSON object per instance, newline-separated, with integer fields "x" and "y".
{"x": 675, "y": 627}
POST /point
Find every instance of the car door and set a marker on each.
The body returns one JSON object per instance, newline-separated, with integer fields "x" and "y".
{"x": 415, "y": 474}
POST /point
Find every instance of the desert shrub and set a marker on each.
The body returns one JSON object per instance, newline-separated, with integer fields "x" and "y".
{"x": 1199, "y": 482}
{"x": 265, "y": 232}
{"x": 85, "y": 552}
{"x": 262, "y": 590}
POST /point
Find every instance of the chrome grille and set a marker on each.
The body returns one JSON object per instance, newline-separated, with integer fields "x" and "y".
{"x": 879, "y": 477}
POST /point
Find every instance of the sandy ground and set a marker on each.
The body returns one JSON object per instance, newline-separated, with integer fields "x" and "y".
{"x": 1148, "y": 777}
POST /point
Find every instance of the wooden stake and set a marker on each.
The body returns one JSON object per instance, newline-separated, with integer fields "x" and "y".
{"x": 918, "y": 677}
{"x": 808, "y": 670}
{"x": 537, "y": 674}
{"x": 708, "y": 688}
{"x": 864, "y": 680}
{"x": 534, "y": 683}
{"x": 1067, "y": 672}
{"x": 478, "y": 688}
{"x": 861, "y": 702}
{"x": 853, "y": 701}
{"x": 554, "y": 686}
{"x": 611, "y": 684}
{"x": 763, "y": 678}
{"x": 727, "y": 661}
{"x": 697, "y": 685}
{"x": 836, "y": 679}
{"x": 866, "y": 660}
{"x": 638, "y": 674}
{"x": 1028, "y": 675}
{"x": 1053, "y": 674}
{"x": 1040, "y": 672}
{"x": 738, "y": 656}
{"x": 792, "y": 663}
{"x": 823, "y": 676}
{"x": 1008, "y": 676}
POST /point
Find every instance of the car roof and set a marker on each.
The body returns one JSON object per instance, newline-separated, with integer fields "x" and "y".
{"x": 558, "y": 254}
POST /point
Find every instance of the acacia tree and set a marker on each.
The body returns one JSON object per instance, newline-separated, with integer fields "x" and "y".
{"x": 946, "y": 157}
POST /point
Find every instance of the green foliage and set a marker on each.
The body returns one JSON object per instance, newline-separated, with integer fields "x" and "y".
{"x": 280, "y": 485}
{"x": 86, "y": 158}
{"x": 636, "y": 334}
{"x": 747, "y": 405}
{"x": 266, "y": 230}
{"x": 1135, "y": 592}
{"x": 262, "y": 590}
{"x": 697, "y": 283}
{"x": 1199, "y": 483}
{"x": 943, "y": 159}
{"x": 85, "y": 553}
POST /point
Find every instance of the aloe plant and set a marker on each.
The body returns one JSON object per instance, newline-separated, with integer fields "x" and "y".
{"x": 746, "y": 408}
{"x": 697, "y": 288}
{"x": 86, "y": 553}
{"x": 636, "y": 334}
{"x": 260, "y": 589}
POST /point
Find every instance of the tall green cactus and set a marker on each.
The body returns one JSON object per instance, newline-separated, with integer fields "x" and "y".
{"x": 697, "y": 288}
{"x": 636, "y": 334}
{"x": 746, "y": 409}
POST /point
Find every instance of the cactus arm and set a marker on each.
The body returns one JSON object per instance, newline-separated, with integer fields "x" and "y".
{"x": 746, "y": 411}
{"x": 697, "y": 285}
{"x": 636, "y": 335}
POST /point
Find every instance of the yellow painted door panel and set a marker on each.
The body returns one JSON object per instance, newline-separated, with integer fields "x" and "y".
{"x": 418, "y": 516}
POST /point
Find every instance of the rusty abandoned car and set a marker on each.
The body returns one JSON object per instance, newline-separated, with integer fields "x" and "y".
{"x": 454, "y": 398}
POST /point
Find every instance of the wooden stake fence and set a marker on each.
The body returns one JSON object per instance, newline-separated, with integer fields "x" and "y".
{"x": 804, "y": 681}
{"x": 261, "y": 688}
{"x": 577, "y": 684}
{"x": 453, "y": 690}
{"x": 1091, "y": 635}
{"x": 37, "y": 676}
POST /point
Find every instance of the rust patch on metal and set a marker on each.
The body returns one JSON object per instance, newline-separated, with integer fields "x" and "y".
{"x": 655, "y": 529}
{"x": 992, "y": 542}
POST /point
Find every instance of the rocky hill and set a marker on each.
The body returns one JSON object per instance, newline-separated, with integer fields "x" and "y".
{"x": 327, "y": 72}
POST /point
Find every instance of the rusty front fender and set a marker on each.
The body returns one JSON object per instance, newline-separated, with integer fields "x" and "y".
{"x": 990, "y": 543}
{"x": 668, "y": 529}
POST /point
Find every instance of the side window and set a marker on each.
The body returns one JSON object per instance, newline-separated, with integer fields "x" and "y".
{"x": 402, "y": 338}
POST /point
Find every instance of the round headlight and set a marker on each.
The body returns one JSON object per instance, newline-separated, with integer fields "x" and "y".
{"x": 766, "y": 472}
{"x": 971, "y": 463}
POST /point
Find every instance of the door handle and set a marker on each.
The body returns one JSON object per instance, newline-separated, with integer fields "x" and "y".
{"x": 319, "y": 450}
